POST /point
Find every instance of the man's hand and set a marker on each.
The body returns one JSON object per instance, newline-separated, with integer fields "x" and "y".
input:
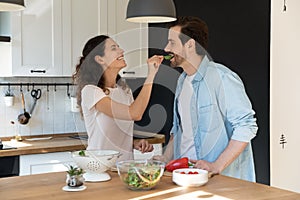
{"x": 208, "y": 166}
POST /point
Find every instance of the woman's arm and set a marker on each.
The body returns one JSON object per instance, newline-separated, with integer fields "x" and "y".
{"x": 168, "y": 153}
{"x": 137, "y": 108}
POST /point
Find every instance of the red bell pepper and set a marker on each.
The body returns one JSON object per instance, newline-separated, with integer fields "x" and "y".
{"x": 177, "y": 164}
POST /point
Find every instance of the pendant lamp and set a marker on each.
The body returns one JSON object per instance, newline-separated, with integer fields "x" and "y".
{"x": 151, "y": 11}
{"x": 11, "y": 5}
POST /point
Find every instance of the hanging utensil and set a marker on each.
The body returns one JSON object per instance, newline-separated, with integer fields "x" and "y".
{"x": 47, "y": 98}
{"x": 24, "y": 117}
{"x": 36, "y": 94}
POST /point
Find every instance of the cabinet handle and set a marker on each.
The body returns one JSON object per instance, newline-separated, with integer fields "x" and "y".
{"x": 38, "y": 71}
{"x": 128, "y": 72}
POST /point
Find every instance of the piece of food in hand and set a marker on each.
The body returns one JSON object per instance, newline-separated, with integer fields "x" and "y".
{"x": 178, "y": 164}
{"x": 168, "y": 57}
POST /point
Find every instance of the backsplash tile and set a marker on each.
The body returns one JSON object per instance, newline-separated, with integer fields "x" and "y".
{"x": 52, "y": 113}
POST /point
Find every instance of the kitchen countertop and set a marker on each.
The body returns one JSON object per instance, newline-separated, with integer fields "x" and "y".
{"x": 49, "y": 186}
{"x": 59, "y": 143}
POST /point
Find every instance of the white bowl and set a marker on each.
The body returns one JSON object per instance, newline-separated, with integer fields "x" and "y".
{"x": 182, "y": 177}
{"x": 95, "y": 163}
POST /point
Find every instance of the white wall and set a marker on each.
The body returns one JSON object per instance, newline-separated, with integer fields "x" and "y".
{"x": 51, "y": 115}
{"x": 285, "y": 94}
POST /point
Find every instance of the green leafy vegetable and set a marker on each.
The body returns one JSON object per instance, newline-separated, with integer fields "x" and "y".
{"x": 168, "y": 57}
{"x": 81, "y": 153}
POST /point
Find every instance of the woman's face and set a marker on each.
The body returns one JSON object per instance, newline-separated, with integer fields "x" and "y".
{"x": 113, "y": 55}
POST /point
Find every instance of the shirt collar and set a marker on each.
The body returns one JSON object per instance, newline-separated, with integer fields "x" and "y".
{"x": 201, "y": 71}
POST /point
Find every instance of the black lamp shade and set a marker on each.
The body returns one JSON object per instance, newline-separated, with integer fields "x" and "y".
{"x": 151, "y": 11}
{"x": 11, "y": 5}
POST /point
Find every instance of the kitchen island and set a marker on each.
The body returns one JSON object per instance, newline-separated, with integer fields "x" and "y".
{"x": 49, "y": 186}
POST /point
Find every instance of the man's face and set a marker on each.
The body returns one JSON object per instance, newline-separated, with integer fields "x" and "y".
{"x": 175, "y": 47}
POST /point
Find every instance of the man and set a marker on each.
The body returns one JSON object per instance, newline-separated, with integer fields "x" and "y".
{"x": 213, "y": 120}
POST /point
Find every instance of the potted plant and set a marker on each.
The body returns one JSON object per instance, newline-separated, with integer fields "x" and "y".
{"x": 75, "y": 176}
{"x": 9, "y": 98}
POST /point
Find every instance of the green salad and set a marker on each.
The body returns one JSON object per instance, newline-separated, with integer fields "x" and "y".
{"x": 142, "y": 178}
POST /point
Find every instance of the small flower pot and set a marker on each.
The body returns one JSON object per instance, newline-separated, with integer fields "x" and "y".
{"x": 9, "y": 100}
{"x": 75, "y": 180}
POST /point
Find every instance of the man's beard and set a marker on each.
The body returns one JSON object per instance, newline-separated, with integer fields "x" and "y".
{"x": 176, "y": 61}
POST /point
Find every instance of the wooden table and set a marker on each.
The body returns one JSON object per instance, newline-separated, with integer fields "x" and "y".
{"x": 49, "y": 186}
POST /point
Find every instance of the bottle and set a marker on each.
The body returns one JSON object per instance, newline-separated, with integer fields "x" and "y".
{"x": 17, "y": 135}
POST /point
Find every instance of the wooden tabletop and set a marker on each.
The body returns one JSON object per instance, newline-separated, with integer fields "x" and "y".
{"x": 60, "y": 143}
{"x": 49, "y": 186}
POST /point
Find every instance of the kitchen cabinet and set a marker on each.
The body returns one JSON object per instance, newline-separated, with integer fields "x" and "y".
{"x": 40, "y": 38}
{"x": 45, "y": 163}
{"x": 48, "y": 36}
{"x": 285, "y": 98}
{"x": 5, "y": 58}
{"x": 89, "y": 18}
{"x": 9, "y": 166}
{"x": 132, "y": 37}
{"x": 93, "y": 17}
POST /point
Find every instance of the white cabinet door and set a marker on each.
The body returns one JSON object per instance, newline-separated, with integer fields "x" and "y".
{"x": 39, "y": 38}
{"x": 285, "y": 96}
{"x": 5, "y": 59}
{"x": 132, "y": 37}
{"x": 88, "y": 20}
{"x": 45, "y": 163}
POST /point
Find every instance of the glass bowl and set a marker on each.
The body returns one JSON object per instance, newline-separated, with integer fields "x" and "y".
{"x": 140, "y": 174}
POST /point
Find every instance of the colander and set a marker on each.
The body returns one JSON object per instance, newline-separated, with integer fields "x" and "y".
{"x": 95, "y": 163}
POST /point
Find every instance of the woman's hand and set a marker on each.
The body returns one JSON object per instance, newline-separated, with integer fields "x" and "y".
{"x": 154, "y": 63}
{"x": 142, "y": 145}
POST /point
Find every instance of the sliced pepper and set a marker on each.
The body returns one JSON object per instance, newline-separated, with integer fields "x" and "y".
{"x": 177, "y": 164}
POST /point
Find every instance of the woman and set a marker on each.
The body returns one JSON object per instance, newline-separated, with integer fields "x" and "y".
{"x": 107, "y": 104}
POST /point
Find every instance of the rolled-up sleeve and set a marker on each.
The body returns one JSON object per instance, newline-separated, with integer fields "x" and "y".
{"x": 239, "y": 112}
